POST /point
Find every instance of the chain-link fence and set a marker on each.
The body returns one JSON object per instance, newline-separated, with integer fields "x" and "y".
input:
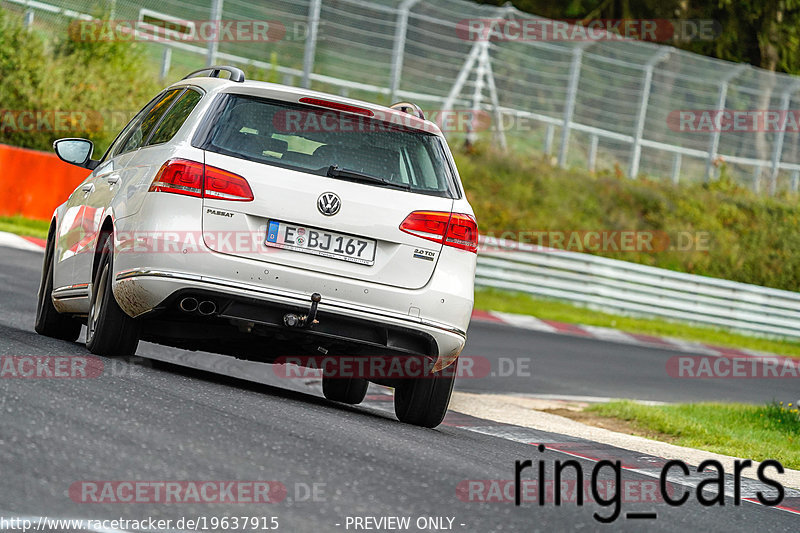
{"x": 631, "y": 106}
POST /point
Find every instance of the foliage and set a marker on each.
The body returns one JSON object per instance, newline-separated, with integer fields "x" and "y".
{"x": 76, "y": 87}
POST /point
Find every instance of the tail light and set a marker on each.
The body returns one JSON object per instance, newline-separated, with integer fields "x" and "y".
{"x": 190, "y": 178}
{"x": 451, "y": 229}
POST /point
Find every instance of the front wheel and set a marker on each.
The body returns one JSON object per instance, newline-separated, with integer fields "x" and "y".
{"x": 423, "y": 401}
{"x": 48, "y": 321}
{"x": 109, "y": 331}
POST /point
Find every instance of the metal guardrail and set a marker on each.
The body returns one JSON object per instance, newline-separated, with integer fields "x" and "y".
{"x": 633, "y": 289}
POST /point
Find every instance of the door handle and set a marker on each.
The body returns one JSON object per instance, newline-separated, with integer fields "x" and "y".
{"x": 112, "y": 180}
{"x": 88, "y": 187}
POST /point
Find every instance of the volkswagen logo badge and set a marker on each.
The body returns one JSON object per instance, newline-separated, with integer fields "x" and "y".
{"x": 328, "y": 204}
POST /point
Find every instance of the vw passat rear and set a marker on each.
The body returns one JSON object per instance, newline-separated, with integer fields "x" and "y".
{"x": 263, "y": 221}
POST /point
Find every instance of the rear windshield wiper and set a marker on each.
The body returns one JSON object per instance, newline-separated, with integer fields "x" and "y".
{"x": 335, "y": 171}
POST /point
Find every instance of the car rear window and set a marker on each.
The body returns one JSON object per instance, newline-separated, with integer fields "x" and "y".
{"x": 312, "y": 139}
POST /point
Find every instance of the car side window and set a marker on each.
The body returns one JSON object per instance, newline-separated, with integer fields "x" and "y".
{"x": 175, "y": 117}
{"x": 116, "y": 145}
{"x": 139, "y": 133}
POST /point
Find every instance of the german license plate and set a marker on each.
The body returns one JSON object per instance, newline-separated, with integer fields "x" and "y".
{"x": 321, "y": 242}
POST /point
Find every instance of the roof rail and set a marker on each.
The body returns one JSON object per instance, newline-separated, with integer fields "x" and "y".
{"x": 235, "y": 74}
{"x": 408, "y": 107}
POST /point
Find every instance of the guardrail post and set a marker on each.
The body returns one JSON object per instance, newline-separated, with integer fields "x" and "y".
{"x": 399, "y": 47}
{"x": 569, "y": 103}
{"x": 549, "y": 133}
{"x": 722, "y": 97}
{"x": 314, "y": 8}
{"x": 676, "y": 168}
{"x": 795, "y": 179}
{"x": 166, "y": 59}
{"x": 27, "y": 22}
{"x": 641, "y": 115}
{"x": 757, "y": 178}
{"x": 777, "y": 149}
{"x": 593, "y": 140}
{"x": 213, "y": 44}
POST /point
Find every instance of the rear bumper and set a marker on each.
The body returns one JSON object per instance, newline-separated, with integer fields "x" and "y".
{"x": 143, "y": 291}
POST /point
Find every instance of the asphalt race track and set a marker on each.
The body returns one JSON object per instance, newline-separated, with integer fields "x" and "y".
{"x": 168, "y": 422}
{"x": 562, "y": 365}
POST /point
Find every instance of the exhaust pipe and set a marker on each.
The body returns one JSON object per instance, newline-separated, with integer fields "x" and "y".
{"x": 188, "y": 305}
{"x": 207, "y": 307}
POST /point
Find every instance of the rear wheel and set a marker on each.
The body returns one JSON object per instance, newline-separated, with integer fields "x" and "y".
{"x": 109, "y": 331}
{"x": 48, "y": 321}
{"x": 345, "y": 390}
{"x": 423, "y": 401}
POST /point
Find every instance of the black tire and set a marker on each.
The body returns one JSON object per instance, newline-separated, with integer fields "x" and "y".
{"x": 109, "y": 331}
{"x": 423, "y": 401}
{"x": 345, "y": 390}
{"x": 48, "y": 321}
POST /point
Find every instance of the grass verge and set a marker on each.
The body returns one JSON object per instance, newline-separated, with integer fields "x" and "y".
{"x": 25, "y": 226}
{"x": 748, "y": 431}
{"x": 495, "y": 300}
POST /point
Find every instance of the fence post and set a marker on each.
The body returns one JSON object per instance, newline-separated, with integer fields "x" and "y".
{"x": 722, "y": 97}
{"x": 462, "y": 76}
{"x": 500, "y": 134}
{"x": 314, "y": 8}
{"x": 777, "y": 150}
{"x": 569, "y": 103}
{"x": 795, "y": 179}
{"x": 213, "y": 44}
{"x": 641, "y": 115}
{"x": 399, "y": 47}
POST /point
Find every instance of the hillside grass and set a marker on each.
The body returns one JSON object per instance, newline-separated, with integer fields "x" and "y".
{"x": 735, "y": 234}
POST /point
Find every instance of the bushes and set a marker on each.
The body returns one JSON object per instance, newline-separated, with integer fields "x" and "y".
{"x": 753, "y": 238}
{"x": 73, "y": 87}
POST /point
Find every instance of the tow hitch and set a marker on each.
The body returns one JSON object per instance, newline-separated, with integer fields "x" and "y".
{"x": 302, "y": 321}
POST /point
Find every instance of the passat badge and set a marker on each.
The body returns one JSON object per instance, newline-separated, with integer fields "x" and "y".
{"x": 328, "y": 204}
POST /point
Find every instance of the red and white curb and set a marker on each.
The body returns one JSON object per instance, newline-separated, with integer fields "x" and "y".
{"x": 11, "y": 240}
{"x": 614, "y": 335}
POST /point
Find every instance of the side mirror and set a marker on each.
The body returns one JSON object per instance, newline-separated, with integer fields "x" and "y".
{"x": 76, "y": 152}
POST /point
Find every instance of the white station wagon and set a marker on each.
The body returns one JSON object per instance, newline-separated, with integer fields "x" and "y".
{"x": 260, "y": 220}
